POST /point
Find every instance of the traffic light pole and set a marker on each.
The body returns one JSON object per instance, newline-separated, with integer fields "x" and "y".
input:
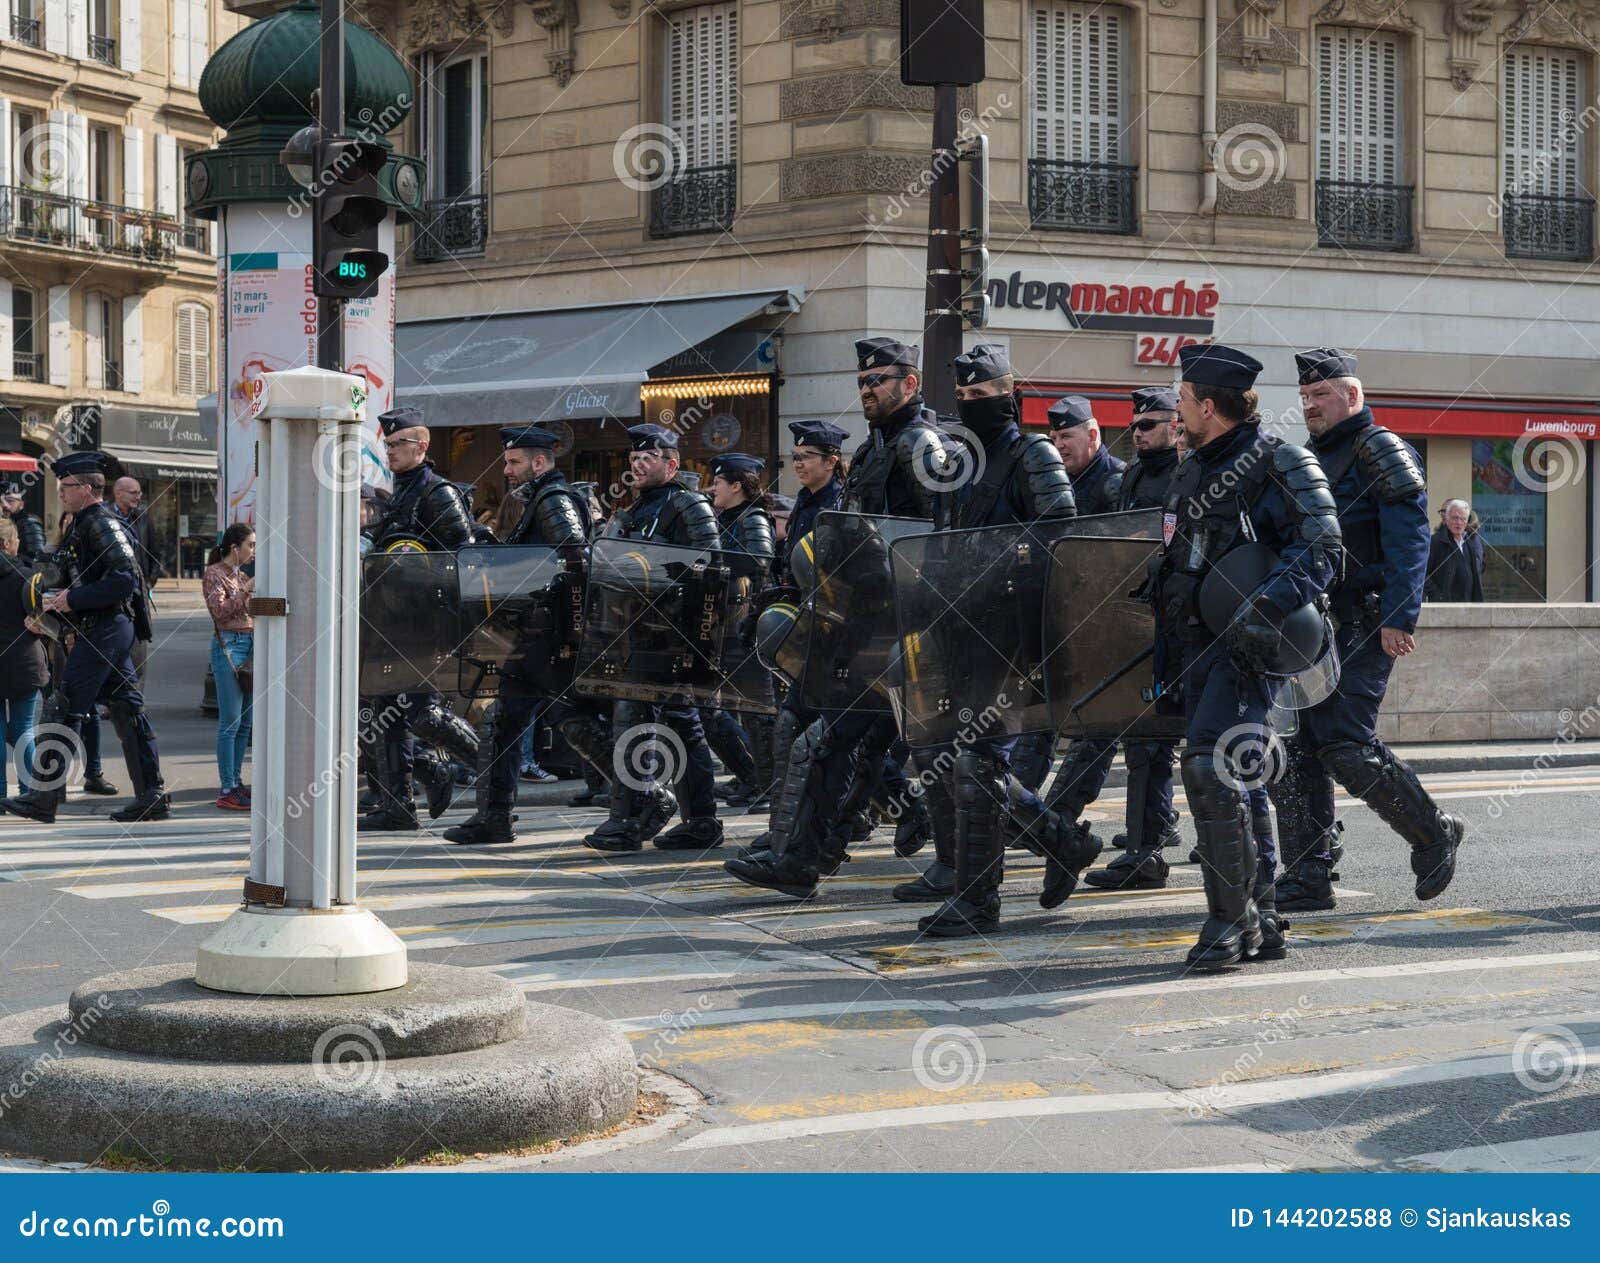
{"x": 941, "y": 335}
{"x": 330, "y": 117}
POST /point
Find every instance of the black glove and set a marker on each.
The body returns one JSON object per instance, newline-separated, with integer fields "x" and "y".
{"x": 1253, "y": 635}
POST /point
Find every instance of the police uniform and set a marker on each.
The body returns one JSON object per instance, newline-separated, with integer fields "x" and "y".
{"x": 1381, "y": 495}
{"x": 1238, "y": 488}
{"x": 1097, "y": 487}
{"x": 894, "y": 472}
{"x": 1151, "y": 819}
{"x": 31, "y": 545}
{"x": 1023, "y": 480}
{"x": 553, "y": 516}
{"x": 671, "y": 513}
{"x": 745, "y": 747}
{"x": 428, "y": 512}
{"x": 99, "y": 565}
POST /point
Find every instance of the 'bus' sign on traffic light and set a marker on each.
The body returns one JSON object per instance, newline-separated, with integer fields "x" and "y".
{"x": 350, "y": 209}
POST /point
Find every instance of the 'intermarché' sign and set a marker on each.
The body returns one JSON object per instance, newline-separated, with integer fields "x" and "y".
{"x": 1179, "y": 306}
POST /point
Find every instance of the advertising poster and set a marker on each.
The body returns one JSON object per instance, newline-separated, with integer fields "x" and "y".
{"x": 270, "y": 324}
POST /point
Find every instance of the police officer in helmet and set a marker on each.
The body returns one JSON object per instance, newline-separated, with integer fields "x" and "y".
{"x": 103, "y": 600}
{"x": 553, "y": 516}
{"x": 1239, "y": 490}
{"x": 1383, "y": 517}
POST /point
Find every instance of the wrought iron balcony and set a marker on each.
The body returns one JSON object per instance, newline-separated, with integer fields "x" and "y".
{"x": 27, "y": 31}
{"x": 1083, "y": 196}
{"x": 103, "y": 48}
{"x": 37, "y": 217}
{"x": 451, "y": 228}
{"x": 1355, "y": 215}
{"x": 697, "y": 199}
{"x": 1557, "y": 228}
{"x": 27, "y": 366}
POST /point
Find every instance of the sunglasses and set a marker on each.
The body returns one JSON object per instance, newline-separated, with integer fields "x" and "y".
{"x": 1144, "y": 427}
{"x": 877, "y": 379}
{"x": 391, "y": 444}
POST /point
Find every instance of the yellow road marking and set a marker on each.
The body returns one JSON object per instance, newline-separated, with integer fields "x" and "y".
{"x": 760, "y": 1039}
{"x": 907, "y": 1098}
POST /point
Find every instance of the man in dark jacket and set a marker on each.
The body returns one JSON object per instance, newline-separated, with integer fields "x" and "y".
{"x": 31, "y": 545}
{"x": 1455, "y": 558}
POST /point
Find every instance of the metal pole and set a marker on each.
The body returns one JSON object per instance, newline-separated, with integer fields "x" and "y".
{"x": 330, "y": 117}
{"x": 941, "y": 335}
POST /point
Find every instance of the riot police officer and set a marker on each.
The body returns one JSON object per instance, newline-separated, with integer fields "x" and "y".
{"x": 1382, "y": 500}
{"x": 1096, "y": 474}
{"x": 103, "y": 599}
{"x": 1023, "y": 480}
{"x": 427, "y": 512}
{"x": 895, "y": 472}
{"x": 669, "y": 512}
{"x": 553, "y": 516}
{"x": 1239, "y": 488}
{"x": 1151, "y": 820}
{"x": 31, "y": 545}
{"x": 745, "y": 747}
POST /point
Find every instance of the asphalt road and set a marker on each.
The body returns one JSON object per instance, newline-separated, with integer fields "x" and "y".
{"x": 1463, "y": 1034}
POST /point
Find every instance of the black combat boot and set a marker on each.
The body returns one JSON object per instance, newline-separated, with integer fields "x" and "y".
{"x": 637, "y": 815}
{"x": 974, "y": 907}
{"x": 699, "y": 834}
{"x": 1389, "y": 786}
{"x": 1068, "y": 846}
{"x": 438, "y": 783}
{"x": 484, "y": 828}
{"x": 1232, "y": 930}
{"x": 153, "y": 804}
{"x": 913, "y": 829}
{"x": 1273, "y": 945}
{"x": 938, "y": 880}
{"x": 790, "y": 864}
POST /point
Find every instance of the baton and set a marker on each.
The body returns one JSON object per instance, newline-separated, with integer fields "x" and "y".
{"x": 1111, "y": 679}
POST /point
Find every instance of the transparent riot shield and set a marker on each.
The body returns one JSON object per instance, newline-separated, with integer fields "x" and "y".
{"x": 510, "y": 618}
{"x": 410, "y": 622}
{"x": 1100, "y": 667}
{"x": 970, "y": 606}
{"x": 851, "y": 639}
{"x": 747, "y": 685}
{"x": 655, "y": 618}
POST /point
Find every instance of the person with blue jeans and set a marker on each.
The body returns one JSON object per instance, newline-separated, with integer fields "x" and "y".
{"x": 23, "y": 670}
{"x": 227, "y": 591}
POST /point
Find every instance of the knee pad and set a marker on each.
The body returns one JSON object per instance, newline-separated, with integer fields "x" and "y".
{"x": 1210, "y": 796}
{"x": 122, "y": 713}
{"x": 1356, "y": 767}
{"x": 441, "y": 726}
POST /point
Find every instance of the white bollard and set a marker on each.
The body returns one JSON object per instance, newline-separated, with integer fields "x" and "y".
{"x": 300, "y": 931}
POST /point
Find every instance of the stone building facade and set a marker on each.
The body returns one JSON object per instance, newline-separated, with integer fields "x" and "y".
{"x": 637, "y": 206}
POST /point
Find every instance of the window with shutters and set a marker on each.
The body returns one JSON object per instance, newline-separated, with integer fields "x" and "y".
{"x": 103, "y": 30}
{"x": 27, "y": 342}
{"x": 695, "y": 187}
{"x": 1079, "y": 174}
{"x": 1363, "y": 201}
{"x": 193, "y": 373}
{"x": 1547, "y": 212}
{"x": 453, "y": 125}
{"x": 26, "y": 26}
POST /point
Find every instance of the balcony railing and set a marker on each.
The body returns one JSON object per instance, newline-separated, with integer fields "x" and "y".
{"x": 451, "y": 228}
{"x": 1558, "y": 228}
{"x": 698, "y": 199}
{"x": 1083, "y": 196}
{"x": 103, "y": 48}
{"x": 38, "y": 217}
{"x": 27, "y": 366}
{"x": 196, "y": 236}
{"x": 27, "y": 31}
{"x": 1355, "y": 215}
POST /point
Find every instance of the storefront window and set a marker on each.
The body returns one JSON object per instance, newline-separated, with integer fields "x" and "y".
{"x": 1509, "y": 500}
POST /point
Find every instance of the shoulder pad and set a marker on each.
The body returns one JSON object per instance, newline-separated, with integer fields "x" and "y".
{"x": 1048, "y": 487}
{"x": 1388, "y": 465}
{"x": 1302, "y": 476}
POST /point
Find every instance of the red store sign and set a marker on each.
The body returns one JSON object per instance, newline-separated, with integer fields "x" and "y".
{"x": 1484, "y": 418}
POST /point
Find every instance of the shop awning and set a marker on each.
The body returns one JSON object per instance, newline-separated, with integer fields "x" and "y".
{"x": 17, "y": 463}
{"x": 161, "y": 464}
{"x": 558, "y": 364}
{"x": 1113, "y": 405}
{"x": 1485, "y": 418}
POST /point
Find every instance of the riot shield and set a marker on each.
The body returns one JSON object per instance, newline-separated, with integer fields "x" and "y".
{"x": 410, "y": 622}
{"x": 510, "y": 617}
{"x": 1100, "y": 668}
{"x": 655, "y": 618}
{"x": 970, "y": 608}
{"x": 851, "y": 639}
{"x": 746, "y": 682}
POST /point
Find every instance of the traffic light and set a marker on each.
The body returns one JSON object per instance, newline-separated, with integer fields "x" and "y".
{"x": 349, "y": 208}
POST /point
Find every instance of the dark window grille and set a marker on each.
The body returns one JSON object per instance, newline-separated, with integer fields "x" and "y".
{"x": 27, "y": 31}
{"x": 103, "y": 48}
{"x": 1356, "y": 215}
{"x": 451, "y": 228}
{"x": 1556, "y": 228}
{"x": 698, "y": 199}
{"x": 27, "y": 367}
{"x": 1083, "y": 196}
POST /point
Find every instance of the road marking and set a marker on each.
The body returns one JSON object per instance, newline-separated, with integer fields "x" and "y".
{"x": 201, "y": 885}
{"x": 846, "y": 1103}
{"x": 619, "y": 969}
{"x": 1573, "y": 1151}
{"x": 1084, "y": 996}
{"x": 689, "y": 1043}
{"x": 1206, "y": 1100}
{"x": 1074, "y": 938}
{"x": 207, "y": 914}
{"x": 648, "y": 922}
